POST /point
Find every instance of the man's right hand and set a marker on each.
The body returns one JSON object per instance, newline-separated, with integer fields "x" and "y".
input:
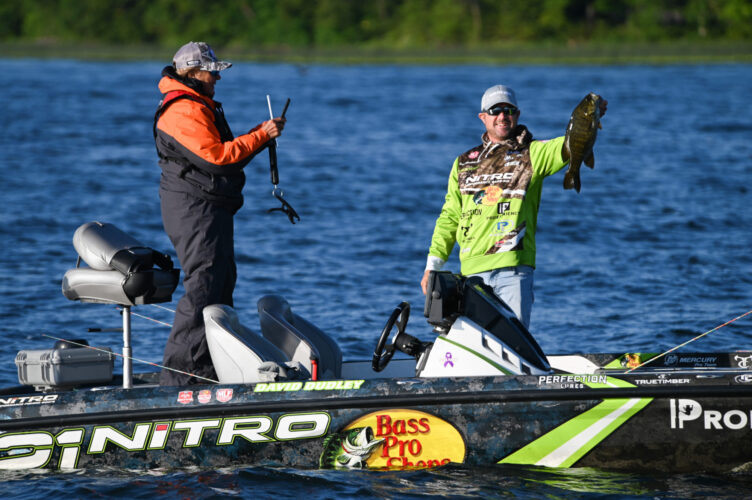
{"x": 274, "y": 127}
{"x": 424, "y": 281}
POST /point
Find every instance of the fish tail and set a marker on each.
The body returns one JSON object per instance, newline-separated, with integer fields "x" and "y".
{"x": 590, "y": 160}
{"x": 568, "y": 181}
{"x": 572, "y": 180}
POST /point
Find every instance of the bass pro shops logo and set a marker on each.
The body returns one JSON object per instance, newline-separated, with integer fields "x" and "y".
{"x": 394, "y": 439}
{"x": 684, "y": 411}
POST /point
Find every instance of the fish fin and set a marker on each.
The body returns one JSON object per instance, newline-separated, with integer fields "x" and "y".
{"x": 600, "y": 126}
{"x": 568, "y": 180}
{"x": 590, "y": 160}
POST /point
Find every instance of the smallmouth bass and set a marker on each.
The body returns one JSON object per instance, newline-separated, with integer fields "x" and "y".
{"x": 580, "y": 138}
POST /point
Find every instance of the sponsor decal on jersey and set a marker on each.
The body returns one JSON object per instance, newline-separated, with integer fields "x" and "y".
{"x": 502, "y": 227}
{"x": 470, "y": 213}
{"x": 492, "y": 195}
{"x": 478, "y": 198}
{"x": 511, "y": 241}
{"x": 478, "y": 180}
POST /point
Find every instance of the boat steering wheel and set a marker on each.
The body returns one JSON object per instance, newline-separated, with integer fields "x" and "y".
{"x": 383, "y": 352}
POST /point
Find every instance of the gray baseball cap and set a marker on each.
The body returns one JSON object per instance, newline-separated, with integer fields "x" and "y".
{"x": 495, "y": 95}
{"x": 198, "y": 55}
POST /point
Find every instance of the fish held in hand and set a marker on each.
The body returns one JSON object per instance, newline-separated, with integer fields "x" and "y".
{"x": 580, "y": 138}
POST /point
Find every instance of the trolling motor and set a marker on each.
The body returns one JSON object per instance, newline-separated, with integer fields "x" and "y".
{"x": 286, "y": 208}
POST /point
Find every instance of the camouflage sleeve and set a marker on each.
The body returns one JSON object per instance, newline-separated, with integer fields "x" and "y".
{"x": 445, "y": 231}
{"x": 546, "y": 156}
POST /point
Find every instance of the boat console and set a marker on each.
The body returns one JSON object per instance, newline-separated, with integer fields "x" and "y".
{"x": 478, "y": 335}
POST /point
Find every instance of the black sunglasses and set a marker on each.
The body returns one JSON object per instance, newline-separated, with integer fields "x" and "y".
{"x": 502, "y": 110}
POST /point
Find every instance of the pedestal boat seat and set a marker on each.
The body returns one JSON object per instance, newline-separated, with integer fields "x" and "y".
{"x": 122, "y": 272}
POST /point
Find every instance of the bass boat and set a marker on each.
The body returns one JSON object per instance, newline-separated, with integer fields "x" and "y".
{"x": 479, "y": 392}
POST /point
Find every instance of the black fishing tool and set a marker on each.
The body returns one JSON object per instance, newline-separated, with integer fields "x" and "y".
{"x": 277, "y": 192}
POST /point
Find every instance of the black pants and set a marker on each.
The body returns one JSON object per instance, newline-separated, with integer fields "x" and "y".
{"x": 202, "y": 234}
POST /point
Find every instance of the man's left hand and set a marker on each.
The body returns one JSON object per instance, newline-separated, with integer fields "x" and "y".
{"x": 274, "y": 127}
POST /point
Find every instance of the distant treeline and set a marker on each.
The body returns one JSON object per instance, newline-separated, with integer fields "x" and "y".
{"x": 387, "y": 23}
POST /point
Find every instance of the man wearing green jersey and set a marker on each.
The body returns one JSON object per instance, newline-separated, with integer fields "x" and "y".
{"x": 491, "y": 206}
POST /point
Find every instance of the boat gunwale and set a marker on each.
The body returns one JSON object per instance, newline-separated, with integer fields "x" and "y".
{"x": 379, "y": 400}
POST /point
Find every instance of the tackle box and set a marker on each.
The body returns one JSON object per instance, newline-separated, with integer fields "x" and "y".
{"x": 65, "y": 365}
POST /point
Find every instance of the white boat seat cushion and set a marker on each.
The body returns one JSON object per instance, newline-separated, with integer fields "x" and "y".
{"x": 299, "y": 339}
{"x": 241, "y": 356}
{"x": 97, "y": 243}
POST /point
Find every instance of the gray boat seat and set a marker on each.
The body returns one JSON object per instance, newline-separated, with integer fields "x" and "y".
{"x": 241, "y": 356}
{"x": 121, "y": 269}
{"x": 300, "y": 340}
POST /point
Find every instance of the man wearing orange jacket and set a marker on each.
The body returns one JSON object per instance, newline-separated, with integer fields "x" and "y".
{"x": 200, "y": 191}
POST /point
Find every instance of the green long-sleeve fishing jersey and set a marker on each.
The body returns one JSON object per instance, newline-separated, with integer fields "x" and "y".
{"x": 492, "y": 201}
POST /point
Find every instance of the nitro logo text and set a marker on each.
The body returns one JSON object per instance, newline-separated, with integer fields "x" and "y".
{"x": 486, "y": 179}
{"x": 28, "y": 400}
{"x": 30, "y": 450}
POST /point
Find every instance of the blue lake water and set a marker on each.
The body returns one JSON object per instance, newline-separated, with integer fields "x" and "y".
{"x": 654, "y": 251}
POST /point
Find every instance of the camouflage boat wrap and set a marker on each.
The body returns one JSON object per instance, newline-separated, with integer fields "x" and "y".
{"x": 690, "y": 412}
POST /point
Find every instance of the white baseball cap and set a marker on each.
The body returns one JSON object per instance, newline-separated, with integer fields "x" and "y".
{"x": 495, "y": 95}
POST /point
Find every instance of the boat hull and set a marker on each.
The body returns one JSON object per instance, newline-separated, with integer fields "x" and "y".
{"x": 680, "y": 420}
